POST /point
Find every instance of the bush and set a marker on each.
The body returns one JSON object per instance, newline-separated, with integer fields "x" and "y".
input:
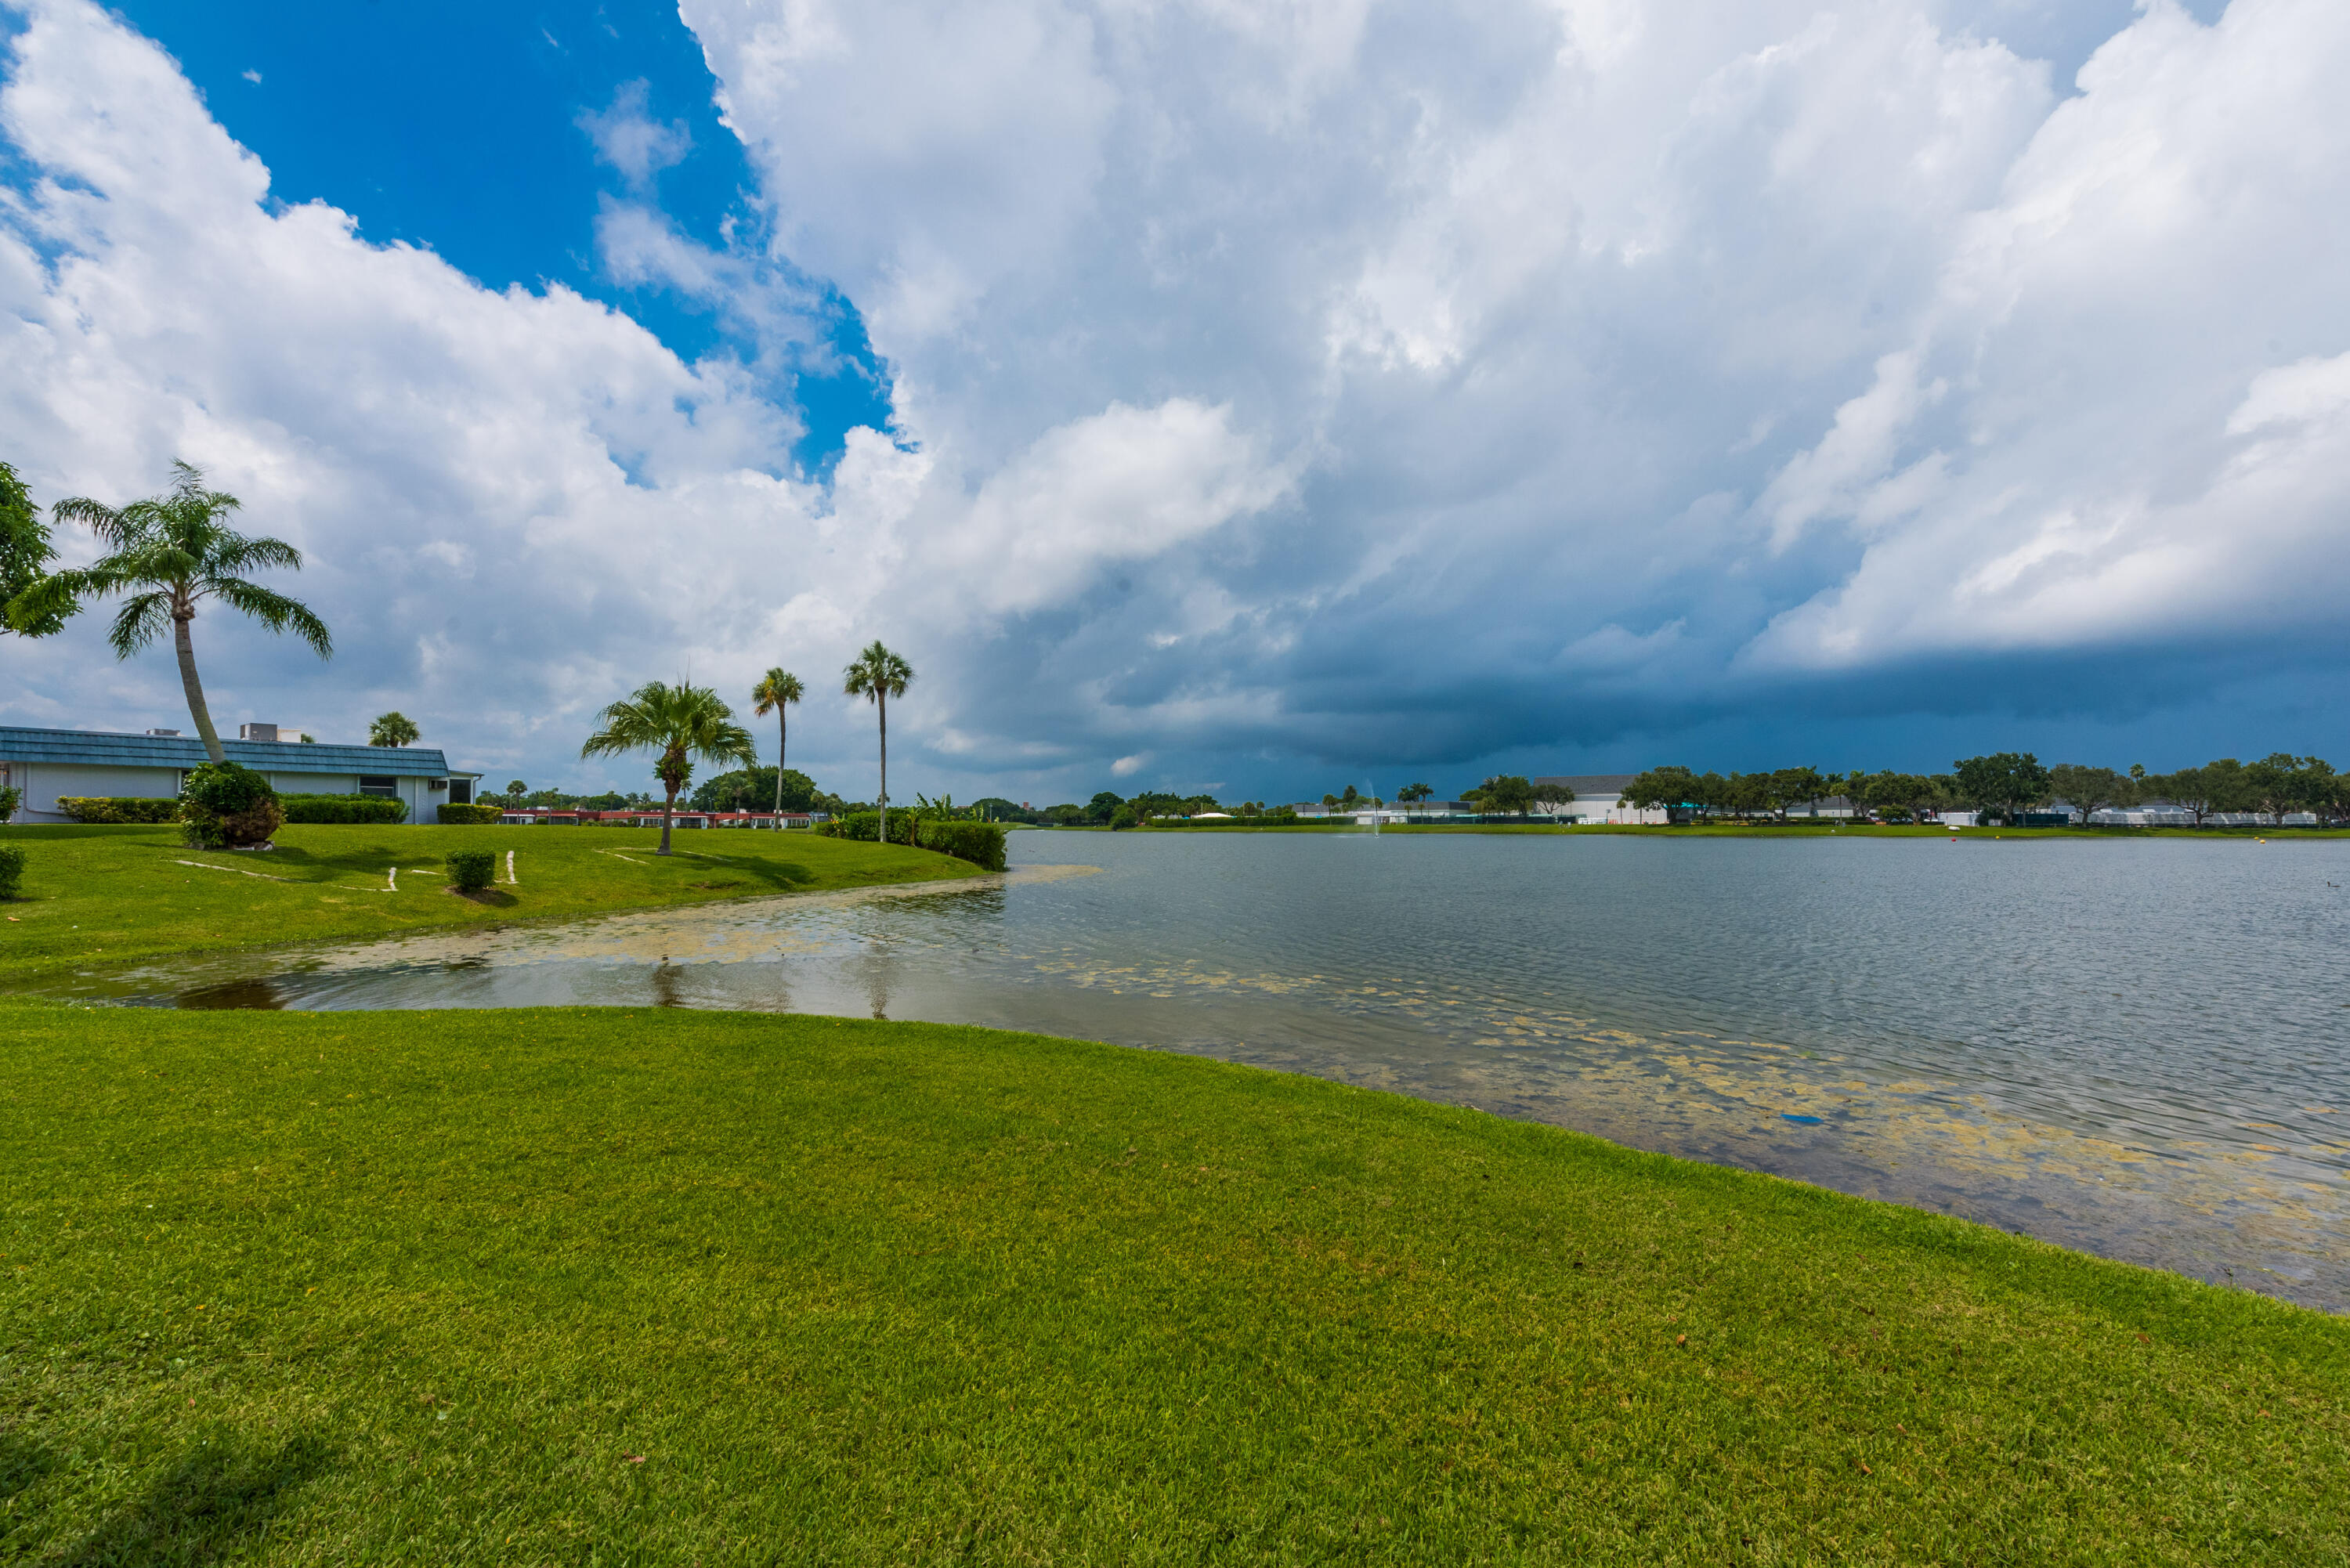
{"x": 372, "y": 810}
{"x": 470, "y": 870}
{"x": 226, "y": 805}
{"x": 10, "y": 799}
{"x": 473, "y": 815}
{"x": 11, "y": 869}
{"x": 119, "y": 808}
{"x": 980, "y": 843}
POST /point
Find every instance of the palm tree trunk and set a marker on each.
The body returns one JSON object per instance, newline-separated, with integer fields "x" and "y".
{"x": 783, "y": 740}
{"x": 668, "y": 807}
{"x": 180, "y": 617}
{"x": 881, "y": 705}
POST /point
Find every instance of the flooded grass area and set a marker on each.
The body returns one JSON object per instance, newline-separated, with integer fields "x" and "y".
{"x": 2132, "y": 1048}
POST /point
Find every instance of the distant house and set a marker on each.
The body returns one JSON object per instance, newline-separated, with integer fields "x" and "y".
{"x": 1598, "y": 797}
{"x": 1838, "y": 806}
{"x": 49, "y": 763}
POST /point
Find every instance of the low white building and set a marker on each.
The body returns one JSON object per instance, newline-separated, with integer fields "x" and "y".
{"x": 1600, "y": 798}
{"x": 49, "y": 763}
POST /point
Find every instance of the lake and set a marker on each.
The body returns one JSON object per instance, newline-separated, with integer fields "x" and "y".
{"x": 2135, "y": 1047}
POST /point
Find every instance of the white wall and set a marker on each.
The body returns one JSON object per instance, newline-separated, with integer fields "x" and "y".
{"x": 44, "y": 782}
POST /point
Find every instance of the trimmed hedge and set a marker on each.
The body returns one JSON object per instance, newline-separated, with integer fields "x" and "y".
{"x": 362, "y": 809}
{"x": 469, "y": 815}
{"x": 470, "y": 870}
{"x": 980, "y": 843}
{"x": 11, "y": 869}
{"x": 119, "y": 808}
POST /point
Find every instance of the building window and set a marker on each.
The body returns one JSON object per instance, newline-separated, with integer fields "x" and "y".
{"x": 461, "y": 792}
{"x": 388, "y": 788}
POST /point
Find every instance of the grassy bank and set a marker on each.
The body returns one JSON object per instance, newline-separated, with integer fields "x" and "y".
{"x": 665, "y": 1287}
{"x": 110, "y": 895}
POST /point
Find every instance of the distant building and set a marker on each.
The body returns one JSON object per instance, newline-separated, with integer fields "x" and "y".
{"x": 1598, "y": 798}
{"x": 49, "y": 763}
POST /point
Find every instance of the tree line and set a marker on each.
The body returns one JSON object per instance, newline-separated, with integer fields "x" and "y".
{"x": 2004, "y": 786}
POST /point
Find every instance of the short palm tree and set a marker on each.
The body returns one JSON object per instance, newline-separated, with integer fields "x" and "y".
{"x": 393, "y": 729}
{"x": 169, "y": 552}
{"x": 777, "y": 689}
{"x": 878, "y": 675}
{"x": 683, "y": 723}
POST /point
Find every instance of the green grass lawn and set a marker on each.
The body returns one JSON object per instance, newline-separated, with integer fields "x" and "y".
{"x": 104, "y": 896}
{"x": 618, "y": 1287}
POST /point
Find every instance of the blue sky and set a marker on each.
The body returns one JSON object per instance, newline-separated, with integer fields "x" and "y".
{"x": 1247, "y": 399}
{"x": 457, "y": 128}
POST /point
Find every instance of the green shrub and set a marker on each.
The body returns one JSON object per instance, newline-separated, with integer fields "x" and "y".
{"x": 473, "y": 815}
{"x": 372, "y": 810}
{"x": 11, "y": 869}
{"x": 10, "y": 799}
{"x": 866, "y": 826}
{"x": 470, "y": 870}
{"x": 980, "y": 843}
{"x": 227, "y": 805}
{"x": 119, "y": 808}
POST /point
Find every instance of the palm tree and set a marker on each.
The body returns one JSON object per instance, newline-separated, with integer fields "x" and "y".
{"x": 876, "y": 676}
{"x": 179, "y": 551}
{"x": 393, "y": 729}
{"x": 777, "y": 689}
{"x": 683, "y": 723}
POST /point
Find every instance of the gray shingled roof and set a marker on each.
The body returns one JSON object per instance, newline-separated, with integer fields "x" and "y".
{"x": 96, "y": 748}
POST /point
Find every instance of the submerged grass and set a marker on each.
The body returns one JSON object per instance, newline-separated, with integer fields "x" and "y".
{"x": 644, "y": 1286}
{"x": 106, "y": 897}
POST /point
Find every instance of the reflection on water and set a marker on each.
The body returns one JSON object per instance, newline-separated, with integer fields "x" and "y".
{"x": 2137, "y": 1048}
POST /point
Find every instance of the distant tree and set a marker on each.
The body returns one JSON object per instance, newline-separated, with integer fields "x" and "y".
{"x": 1787, "y": 787}
{"x": 1669, "y": 788}
{"x": 877, "y": 675}
{"x": 393, "y": 729}
{"x": 2002, "y": 783}
{"x": 1415, "y": 791}
{"x": 684, "y": 723}
{"x": 1508, "y": 793}
{"x": 2277, "y": 784}
{"x": 777, "y": 689}
{"x": 2216, "y": 787}
{"x": 169, "y": 552}
{"x": 515, "y": 786}
{"x": 1124, "y": 817}
{"x": 25, "y": 554}
{"x": 1554, "y": 795}
{"x": 1103, "y": 806}
{"x": 2089, "y": 790}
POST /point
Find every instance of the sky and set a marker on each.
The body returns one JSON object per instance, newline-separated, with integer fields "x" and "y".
{"x": 1250, "y": 397}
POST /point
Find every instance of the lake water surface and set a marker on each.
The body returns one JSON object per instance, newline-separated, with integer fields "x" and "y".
{"x": 2134, "y": 1047}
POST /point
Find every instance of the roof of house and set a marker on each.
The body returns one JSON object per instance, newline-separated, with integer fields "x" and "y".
{"x": 93, "y": 748}
{"x": 1588, "y": 784}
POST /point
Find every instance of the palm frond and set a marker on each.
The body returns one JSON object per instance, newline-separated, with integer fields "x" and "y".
{"x": 236, "y": 553}
{"x": 273, "y": 610}
{"x": 687, "y": 719}
{"x": 139, "y": 622}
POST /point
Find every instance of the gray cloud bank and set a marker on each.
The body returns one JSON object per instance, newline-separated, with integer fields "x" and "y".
{"x": 1278, "y": 386}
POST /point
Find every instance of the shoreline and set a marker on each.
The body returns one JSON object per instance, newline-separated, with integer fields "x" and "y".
{"x": 565, "y": 876}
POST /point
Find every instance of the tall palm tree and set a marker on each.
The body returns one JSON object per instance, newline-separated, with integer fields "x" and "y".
{"x": 777, "y": 689}
{"x": 178, "y": 549}
{"x": 878, "y": 675}
{"x": 683, "y": 723}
